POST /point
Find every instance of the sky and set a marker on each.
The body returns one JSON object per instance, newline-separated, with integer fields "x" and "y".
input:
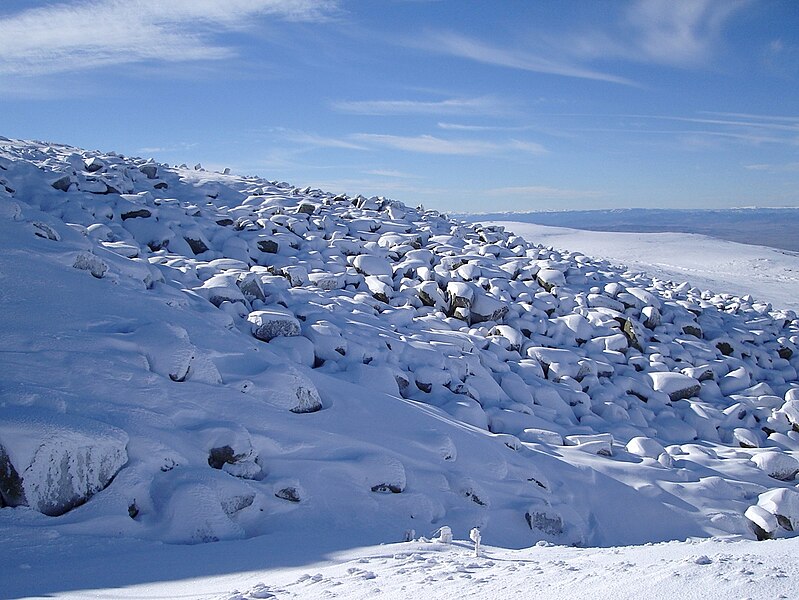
{"x": 458, "y": 105}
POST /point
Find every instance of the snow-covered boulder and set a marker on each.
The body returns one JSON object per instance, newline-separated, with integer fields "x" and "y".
{"x": 783, "y": 503}
{"x": 763, "y": 523}
{"x": 169, "y": 352}
{"x": 677, "y": 385}
{"x": 54, "y": 462}
{"x": 550, "y": 278}
{"x": 372, "y": 265}
{"x": 289, "y": 389}
{"x": 645, "y": 447}
{"x": 541, "y": 436}
{"x": 778, "y": 465}
{"x": 273, "y": 322}
{"x": 198, "y": 505}
{"x": 85, "y": 261}
{"x": 595, "y": 443}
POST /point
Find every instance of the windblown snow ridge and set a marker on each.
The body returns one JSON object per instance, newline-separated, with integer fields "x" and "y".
{"x": 194, "y": 356}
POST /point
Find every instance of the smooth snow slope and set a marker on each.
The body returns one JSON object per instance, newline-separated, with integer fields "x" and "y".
{"x": 769, "y": 274}
{"x": 273, "y": 374}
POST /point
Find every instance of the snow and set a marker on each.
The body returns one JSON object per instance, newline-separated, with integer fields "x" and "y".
{"x": 286, "y": 378}
{"x": 708, "y": 263}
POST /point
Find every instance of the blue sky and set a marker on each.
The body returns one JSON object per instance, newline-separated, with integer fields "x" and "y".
{"x": 457, "y": 105}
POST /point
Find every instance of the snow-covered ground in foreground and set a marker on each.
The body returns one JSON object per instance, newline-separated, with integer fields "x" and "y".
{"x": 769, "y": 274}
{"x": 711, "y": 569}
{"x": 211, "y": 382}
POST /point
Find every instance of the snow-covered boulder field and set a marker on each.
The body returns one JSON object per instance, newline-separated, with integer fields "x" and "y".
{"x": 191, "y": 356}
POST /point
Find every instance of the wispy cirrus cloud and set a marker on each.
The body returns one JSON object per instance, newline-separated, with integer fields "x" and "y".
{"x": 393, "y": 173}
{"x": 314, "y": 140}
{"x": 428, "y": 144}
{"x": 678, "y": 34}
{"x": 88, "y": 34}
{"x": 791, "y": 167}
{"x": 455, "y": 44}
{"x": 663, "y": 32}
{"x": 483, "y": 105}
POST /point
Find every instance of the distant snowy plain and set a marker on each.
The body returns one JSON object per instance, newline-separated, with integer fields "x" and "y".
{"x": 770, "y": 274}
{"x": 263, "y": 390}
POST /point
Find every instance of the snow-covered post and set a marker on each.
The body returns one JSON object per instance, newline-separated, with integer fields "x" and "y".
{"x": 474, "y": 535}
{"x": 445, "y": 535}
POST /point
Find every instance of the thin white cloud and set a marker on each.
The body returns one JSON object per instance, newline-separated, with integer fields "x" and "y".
{"x": 454, "y": 44}
{"x": 94, "y": 33}
{"x": 182, "y": 146}
{"x": 428, "y": 144}
{"x": 390, "y": 173}
{"x": 751, "y": 123}
{"x": 750, "y": 116}
{"x": 313, "y": 140}
{"x": 544, "y": 192}
{"x": 678, "y": 34}
{"x": 464, "y": 127}
{"x": 453, "y": 106}
{"x": 792, "y": 167}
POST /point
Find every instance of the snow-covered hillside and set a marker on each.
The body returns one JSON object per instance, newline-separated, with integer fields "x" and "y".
{"x": 191, "y": 356}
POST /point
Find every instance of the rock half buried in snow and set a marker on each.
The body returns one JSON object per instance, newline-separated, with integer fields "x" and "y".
{"x": 777, "y": 465}
{"x": 597, "y": 443}
{"x": 290, "y": 389}
{"x": 783, "y": 503}
{"x": 677, "y": 385}
{"x": 54, "y": 462}
{"x": 273, "y": 322}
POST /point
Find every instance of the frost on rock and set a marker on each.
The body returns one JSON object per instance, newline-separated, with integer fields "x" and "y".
{"x": 89, "y": 262}
{"x": 272, "y": 323}
{"x": 53, "y": 462}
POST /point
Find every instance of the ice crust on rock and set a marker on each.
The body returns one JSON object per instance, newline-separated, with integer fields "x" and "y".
{"x": 251, "y": 338}
{"x": 53, "y": 462}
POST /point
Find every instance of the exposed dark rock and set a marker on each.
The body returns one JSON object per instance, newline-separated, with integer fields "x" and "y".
{"x": 11, "y": 491}
{"x": 140, "y": 213}
{"x": 693, "y": 330}
{"x": 197, "y": 245}
{"x": 549, "y": 524}
{"x": 725, "y": 348}
{"x": 63, "y": 183}
{"x": 288, "y": 493}
{"x": 268, "y": 246}
{"x": 217, "y": 457}
{"x": 387, "y": 487}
